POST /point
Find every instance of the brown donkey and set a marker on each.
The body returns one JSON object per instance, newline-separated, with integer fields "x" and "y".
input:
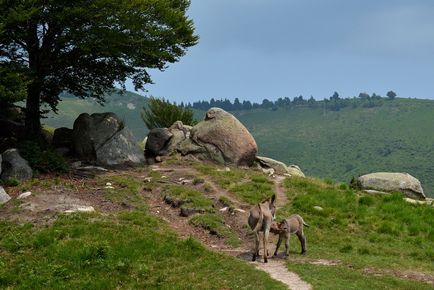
{"x": 260, "y": 218}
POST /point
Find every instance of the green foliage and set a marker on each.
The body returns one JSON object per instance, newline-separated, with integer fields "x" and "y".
{"x": 129, "y": 250}
{"x": 85, "y": 47}
{"x": 161, "y": 113}
{"x": 13, "y": 84}
{"x": 42, "y": 159}
{"x": 11, "y": 181}
{"x": 216, "y": 225}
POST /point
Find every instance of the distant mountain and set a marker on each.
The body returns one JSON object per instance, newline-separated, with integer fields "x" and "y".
{"x": 396, "y": 136}
{"x": 126, "y": 105}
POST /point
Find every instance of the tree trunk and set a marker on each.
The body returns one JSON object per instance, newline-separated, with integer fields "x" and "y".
{"x": 33, "y": 122}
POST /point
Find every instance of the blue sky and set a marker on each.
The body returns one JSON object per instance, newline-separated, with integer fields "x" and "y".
{"x": 256, "y": 49}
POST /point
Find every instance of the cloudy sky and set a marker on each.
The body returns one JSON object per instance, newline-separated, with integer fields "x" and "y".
{"x": 255, "y": 49}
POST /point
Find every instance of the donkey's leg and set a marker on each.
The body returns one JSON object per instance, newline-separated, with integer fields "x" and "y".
{"x": 302, "y": 239}
{"x": 266, "y": 234}
{"x": 256, "y": 252}
{"x": 287, "y": 244}
{"x": 278, "y": 245}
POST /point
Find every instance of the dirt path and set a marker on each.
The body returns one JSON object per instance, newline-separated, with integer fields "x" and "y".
{"x": 279, "y": 272}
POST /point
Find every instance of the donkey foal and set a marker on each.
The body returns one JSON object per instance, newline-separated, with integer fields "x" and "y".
{"x": 292, "y": 225}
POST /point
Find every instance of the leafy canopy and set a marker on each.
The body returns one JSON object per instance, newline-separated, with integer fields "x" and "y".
{"x": 85, "y": 47}
{"x": 161, "y": 113}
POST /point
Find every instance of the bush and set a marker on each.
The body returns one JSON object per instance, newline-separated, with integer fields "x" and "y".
{"x": 42, "y": 159}
{"x": 162, "y": 114}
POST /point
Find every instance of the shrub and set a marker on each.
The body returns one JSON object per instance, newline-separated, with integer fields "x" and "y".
{"x": 42, "y": 159}
{"x": 162, "y": 114}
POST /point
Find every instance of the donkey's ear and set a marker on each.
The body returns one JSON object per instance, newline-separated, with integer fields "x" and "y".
{"x": 273, "y": 199}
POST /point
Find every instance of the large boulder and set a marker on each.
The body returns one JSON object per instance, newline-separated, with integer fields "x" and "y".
{"x": 120, "y": 150}
{"x": 95, "y": 136}
{"x": 224, "y": 139}
{"x": 157, "y": 142}
{"x": 392, "y": 181}
{"x": 14, "y": 166}
{"x": 62, "y": 137}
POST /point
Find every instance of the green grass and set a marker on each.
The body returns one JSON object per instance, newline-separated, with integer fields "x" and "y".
{"x": 197, "y": 199}
{"x": 216, "y": 224}
{"x": 256, "y": 189}
{"x": 360, "y": 230}
{"x": 250, "y": 186}
{"x": 130, "y": 250}
{"x": 126, "y": 190}
{"x": 343, "y": 278}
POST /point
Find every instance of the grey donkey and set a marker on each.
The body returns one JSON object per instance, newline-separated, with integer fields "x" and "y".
{"x": 292, "y": 225}
{"x": 260, "y": 218}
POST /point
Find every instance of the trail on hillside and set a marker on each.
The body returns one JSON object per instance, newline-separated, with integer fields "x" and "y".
{"x": 276, "y": 268}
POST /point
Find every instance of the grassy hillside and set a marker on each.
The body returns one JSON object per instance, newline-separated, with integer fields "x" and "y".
{"x": 127, "y": 106}
{"x": 339, "y": 145}
{"x": 136, "y": 240}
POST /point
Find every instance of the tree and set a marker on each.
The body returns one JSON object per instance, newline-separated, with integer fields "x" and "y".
{"x": 391, "y": 95}
{"x": 160, "y": 113}
{"x": 85, "y": 47}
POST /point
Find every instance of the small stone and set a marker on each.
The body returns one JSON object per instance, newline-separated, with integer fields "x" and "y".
{"x": 318, "y": 208}
{"x": 186, "y": 212}
{"x": 4, "y": 197}
{"x": 76, "y": 164}
{"x": 147, "y": 179}
{"x": 224, "y": 209}
{"x": 109, "y": 187}
{"x": 239, "y": 210}
{"x": 24, "y": 195}
{"x": 108, "y": 184}
{"x": 80, "y": 208}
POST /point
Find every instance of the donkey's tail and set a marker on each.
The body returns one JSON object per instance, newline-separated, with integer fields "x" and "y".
{"x": 261, "y": 219}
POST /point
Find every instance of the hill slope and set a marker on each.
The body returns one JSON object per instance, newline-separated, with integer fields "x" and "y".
{"x": 339, "y": 145}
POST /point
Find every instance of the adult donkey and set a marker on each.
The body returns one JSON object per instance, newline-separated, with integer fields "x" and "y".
{"x": 260, "y": 218}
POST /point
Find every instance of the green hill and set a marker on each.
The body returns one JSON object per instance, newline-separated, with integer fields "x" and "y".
{"x": 396, "y": 136}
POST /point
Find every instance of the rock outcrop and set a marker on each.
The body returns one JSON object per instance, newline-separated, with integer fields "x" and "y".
{"x": 15, "y": 166}
{"x": 279, "y": 167}
{"x": 392, "y": 181}
{"x": 224, "y": 139}
{"x": 102, "y": 137}
{"x": 220, "y": 137}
